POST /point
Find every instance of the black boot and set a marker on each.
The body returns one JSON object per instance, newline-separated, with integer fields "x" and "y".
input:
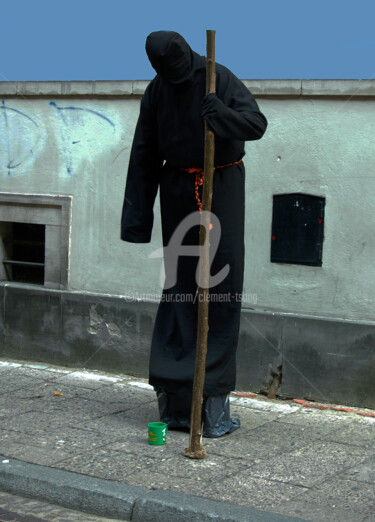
{"x": 174, "y": 410}
{"x": 216, "y": 417}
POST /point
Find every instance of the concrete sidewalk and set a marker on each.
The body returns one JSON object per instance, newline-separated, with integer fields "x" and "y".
{"x": 87, "y": 449}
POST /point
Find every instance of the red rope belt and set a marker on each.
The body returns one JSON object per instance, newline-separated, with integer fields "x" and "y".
{"x": 199, "y": 177}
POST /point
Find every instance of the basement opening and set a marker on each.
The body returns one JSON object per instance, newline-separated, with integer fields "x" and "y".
{"x": 23, "y": 252}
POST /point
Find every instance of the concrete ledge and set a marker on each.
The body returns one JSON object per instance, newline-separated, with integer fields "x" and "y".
{"x": 337, "y": 88}
{"x": 129, "y": 88}
{"x": 108, "y": 498}
{"x": 261, "y": 88}
{"x": 73, "y": 88}
{"x": 8, "y": 88}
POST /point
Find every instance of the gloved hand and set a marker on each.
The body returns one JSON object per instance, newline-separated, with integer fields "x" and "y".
{"x": 212, "y": 107}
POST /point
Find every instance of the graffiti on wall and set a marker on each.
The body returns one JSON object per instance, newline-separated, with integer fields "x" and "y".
{"x": 21, "y": 139}
{"x": 81, "y": 134}
{"x": 78, "y": 133}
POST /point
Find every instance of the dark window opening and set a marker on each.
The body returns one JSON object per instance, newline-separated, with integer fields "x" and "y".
{"x": 297, "y": 229}
{"x": 23, "y": 252}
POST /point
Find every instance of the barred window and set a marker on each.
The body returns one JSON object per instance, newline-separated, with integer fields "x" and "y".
{"x": 34, "y": 239}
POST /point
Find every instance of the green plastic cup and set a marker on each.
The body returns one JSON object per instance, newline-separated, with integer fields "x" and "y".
{"x": 157, "y": 433}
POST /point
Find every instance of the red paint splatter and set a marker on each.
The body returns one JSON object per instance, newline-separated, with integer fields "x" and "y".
{"x": 249, "y": 395}
{"x": 316, "y": 406}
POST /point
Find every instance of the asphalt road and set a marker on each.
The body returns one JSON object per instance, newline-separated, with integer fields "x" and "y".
{"x": 14, "y": 508}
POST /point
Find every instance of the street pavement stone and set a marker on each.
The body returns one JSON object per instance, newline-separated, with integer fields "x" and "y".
{"x": 12, "y": 383}
{"x": 287, "y": 459}
{"x": 66, "y": 437}
{"x": 45, "y": 390}
{"x": 359, "y": 432}
{"x": 34, "y": 454}
{"x": 120, "y": 393}
{"x": 251, "y": 418}
{"x": 108, "y": 464}
{"x": 134, "y": 442}
{"x": 232, "y": 484}
{"x": 317, "y": 512}
{"x": 364, "y": 472}
{"x": 344, "y": 494}
{"x": 249, "y": 490}
{"x": 267, "y": 440}
{"x": 311, "y": 464}
{"x": 37, "y": 374}
{"x": 13, "y": 408}
{"x": 49, "y": 448}
{"x": 126, "y": 422}
{"x": 309, "y": 417}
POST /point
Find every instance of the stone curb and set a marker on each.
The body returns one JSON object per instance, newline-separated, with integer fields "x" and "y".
{"x": 113, "y": 499}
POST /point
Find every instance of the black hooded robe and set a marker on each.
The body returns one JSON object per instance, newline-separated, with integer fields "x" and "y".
{"x": 169, "y": 137}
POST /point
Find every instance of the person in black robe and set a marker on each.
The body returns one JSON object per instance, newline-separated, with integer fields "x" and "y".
{"x": 168, "y": 152}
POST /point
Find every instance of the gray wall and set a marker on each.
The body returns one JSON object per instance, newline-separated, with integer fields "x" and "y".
{"x": 76, "y": 140}
{"x": 302, "y": 326}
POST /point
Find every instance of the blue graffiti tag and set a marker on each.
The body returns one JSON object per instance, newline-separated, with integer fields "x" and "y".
{"x": 11, "y": 163}
{"x": 72, "y": 108}
{"x": 66, "y": 138}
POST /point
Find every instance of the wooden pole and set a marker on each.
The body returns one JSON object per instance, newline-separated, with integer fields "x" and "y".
{"x": 195, "y": 450}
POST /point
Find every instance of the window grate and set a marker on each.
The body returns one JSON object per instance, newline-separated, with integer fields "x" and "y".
{"x": 24, "y": 252}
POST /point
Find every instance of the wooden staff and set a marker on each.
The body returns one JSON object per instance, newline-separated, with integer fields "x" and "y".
{"x": 195, "y": 450}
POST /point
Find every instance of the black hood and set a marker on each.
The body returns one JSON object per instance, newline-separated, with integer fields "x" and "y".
{"x": 171, "y": 57}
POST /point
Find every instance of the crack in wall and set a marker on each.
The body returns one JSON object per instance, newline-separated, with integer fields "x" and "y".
{"x": 275, "y": 382}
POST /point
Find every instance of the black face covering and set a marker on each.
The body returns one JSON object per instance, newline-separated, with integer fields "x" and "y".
{"x": 170, "y": 56}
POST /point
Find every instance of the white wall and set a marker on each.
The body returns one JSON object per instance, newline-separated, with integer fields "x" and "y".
{"x": 326, "y": 149}
{"x": 80, "y": 146}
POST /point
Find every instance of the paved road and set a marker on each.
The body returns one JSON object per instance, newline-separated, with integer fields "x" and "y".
{"x": 20, "y": 509}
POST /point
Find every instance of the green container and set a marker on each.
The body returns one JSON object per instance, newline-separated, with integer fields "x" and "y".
{"x": 157, "y": 433}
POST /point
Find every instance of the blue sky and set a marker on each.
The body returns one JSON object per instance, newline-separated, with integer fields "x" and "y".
{"x": 104, "y": 40}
